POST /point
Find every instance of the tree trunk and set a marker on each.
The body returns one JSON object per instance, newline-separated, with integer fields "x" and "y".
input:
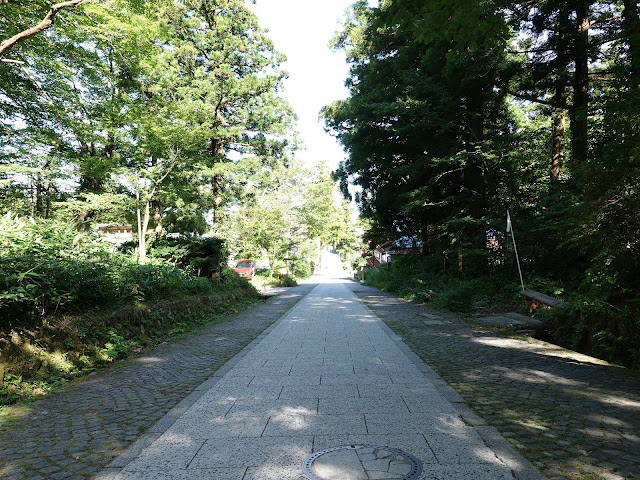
{"x": 217, "y": 181}
{"x": 475, "y": 116}
{"x": 559, "y": 129}
{"x": 157, "y": 220}
{"x": 47, "y": 203}
{"x": 43, "y": 191}
{"x": 142, "y": 247}
{"x": 474, "y": 174}
{"x": 579, "y": 127}
{"x": 39, "y": 196}
{"x": 631, "y": 32}
{"x": 140, "y": 239}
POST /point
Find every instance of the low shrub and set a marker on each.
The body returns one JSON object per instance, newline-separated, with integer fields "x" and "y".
{"x": 302, "y": 269}
{"x": 70, "y": 303}
{"x": 591, "y": 326}
{"x": 284, "y": 280}
{"x": 428, "y": 280}
{"x": 596, "y": 328}
{"x": 205, "y": 256}
{"x": 49, "y": 268}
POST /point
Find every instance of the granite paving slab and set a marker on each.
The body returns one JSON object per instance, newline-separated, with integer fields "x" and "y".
{"x": 281, "y": 403}
{"x": 571, "y": 415}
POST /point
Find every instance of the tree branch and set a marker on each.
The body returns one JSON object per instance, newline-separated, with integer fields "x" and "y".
{"x": 606, "y": 20}
{"x": 157, "y": 183}
{"x": 6, "y": 45}
{"x": 532, "y": 98}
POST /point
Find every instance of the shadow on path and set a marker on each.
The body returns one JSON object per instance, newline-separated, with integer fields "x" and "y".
{"x": 570, "y": 416}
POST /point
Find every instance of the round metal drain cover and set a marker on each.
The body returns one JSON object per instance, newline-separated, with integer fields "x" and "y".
{"x": 361, "y": 462}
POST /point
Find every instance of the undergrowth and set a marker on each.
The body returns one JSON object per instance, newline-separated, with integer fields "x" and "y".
{"x": 587, "y": 325}
{"x": 71, "y": 304}
{"x": 33, "y": 362}
{"x": 427, "y": 280}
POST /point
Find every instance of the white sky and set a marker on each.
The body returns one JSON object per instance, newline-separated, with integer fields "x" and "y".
{"x": 301, "y": 29}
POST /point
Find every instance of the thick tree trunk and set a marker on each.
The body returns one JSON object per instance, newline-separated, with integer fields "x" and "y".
{"x": 157, "y": 220}
{"x": 579, "y": 127}
{"x": 142, "y": 247}
{"x": 46, "y": 22}
{"x": 559, "y": 130}
{"x": 140, "y": 235}
{"x": 43, "y": 189}
{"x": 475, "y": 115}
{"x": 217, "y": 181}
{"x": 47, "y": 202}
{"x": 39, "y": 196}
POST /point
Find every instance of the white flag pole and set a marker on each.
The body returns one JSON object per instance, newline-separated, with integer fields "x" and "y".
{"x": 510, "y": 229}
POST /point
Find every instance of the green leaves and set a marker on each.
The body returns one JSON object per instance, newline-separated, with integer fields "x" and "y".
{"x": 48, "y": 267}
{"x": 296, "y": 207}
{"x": 173, "y": 104}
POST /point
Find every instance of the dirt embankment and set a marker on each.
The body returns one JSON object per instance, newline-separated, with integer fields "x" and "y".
{"x": 41, "y": 355}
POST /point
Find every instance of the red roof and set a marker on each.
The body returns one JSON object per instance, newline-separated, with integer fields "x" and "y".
{"x": 373, "y": 262}
{"x": 386, "y": 246}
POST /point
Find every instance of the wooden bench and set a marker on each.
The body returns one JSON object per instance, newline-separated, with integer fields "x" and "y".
{"x": 537, "y": 299}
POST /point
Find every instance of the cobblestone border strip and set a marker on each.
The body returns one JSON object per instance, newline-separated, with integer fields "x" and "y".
{"x": 111, "y": 471}
{"x": 520, "y": 467}
{"x": 571, "y": 415}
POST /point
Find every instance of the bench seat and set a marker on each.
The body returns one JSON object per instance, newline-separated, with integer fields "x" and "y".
{"x": 537, "y": 299}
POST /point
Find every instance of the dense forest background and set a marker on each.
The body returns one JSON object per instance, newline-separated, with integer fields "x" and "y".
{"x": 460, "y": 111}
{"x": 167, "y": 115}
{"x": 164, "y": 115}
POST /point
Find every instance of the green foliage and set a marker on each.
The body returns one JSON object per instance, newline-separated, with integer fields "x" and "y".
{"x": 284, "y": 280}
{"x": 204, "y": 256}
{"x": 459, "y": 111}
{"x": 299, "y": 208}
{"x": 597, "y": 328}
{"x": 302, "y": 269}
{"x": 156, "y": 111}
{"x": 49, "y": 268}
{"x": 436, "y": 282}
{"x": 117, "y": 346}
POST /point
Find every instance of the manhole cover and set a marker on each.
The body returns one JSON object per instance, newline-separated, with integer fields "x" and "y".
{"x": 361, "y": 462}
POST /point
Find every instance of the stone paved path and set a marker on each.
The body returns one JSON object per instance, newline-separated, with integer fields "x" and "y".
{"x": 574, "y": 417}
{"x": 328, "y": 374}
{"x": 76, "y": 432}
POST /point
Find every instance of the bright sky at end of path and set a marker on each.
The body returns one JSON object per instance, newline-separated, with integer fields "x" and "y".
{"x": 301, "y": 29}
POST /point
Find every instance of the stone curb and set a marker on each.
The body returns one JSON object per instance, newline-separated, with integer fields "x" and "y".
{"x": 521, "y": 468}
